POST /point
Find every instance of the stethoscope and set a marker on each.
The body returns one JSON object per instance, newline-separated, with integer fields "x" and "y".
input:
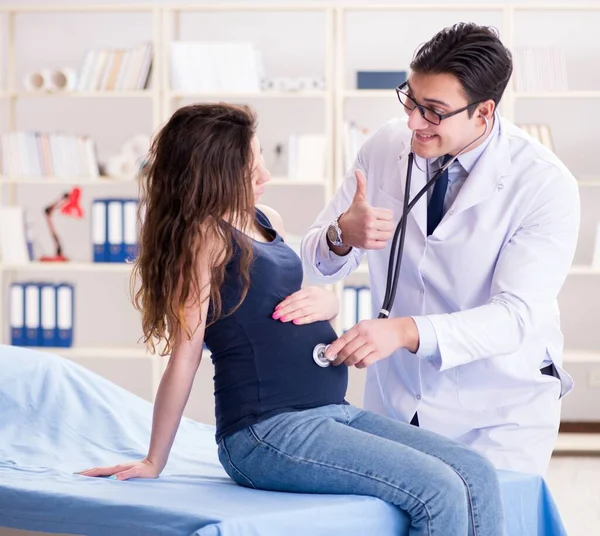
{"x": 395, "y": 260}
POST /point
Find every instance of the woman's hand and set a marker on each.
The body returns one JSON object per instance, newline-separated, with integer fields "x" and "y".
{"x": 309, "y": 304}
{"x": 142, "y": 469}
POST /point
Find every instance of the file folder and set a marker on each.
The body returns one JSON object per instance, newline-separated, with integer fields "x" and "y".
{"x": 32, "y": 315}
{"x": 48, "y": 314}
{"x": 17, "y": 314}
{"x": 64, "y": 315}
{"x": 100, "y": 230}
{"x": 130, "y": 228}
{"x": 116, "y": 244}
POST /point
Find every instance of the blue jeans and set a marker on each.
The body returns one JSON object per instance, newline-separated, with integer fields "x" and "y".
{"x": 446, "y": 488}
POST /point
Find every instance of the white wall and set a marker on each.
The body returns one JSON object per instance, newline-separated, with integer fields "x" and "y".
{"x": 292, "y": 44}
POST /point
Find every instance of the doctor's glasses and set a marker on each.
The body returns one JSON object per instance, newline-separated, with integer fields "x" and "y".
{"x": 431, "y": 116}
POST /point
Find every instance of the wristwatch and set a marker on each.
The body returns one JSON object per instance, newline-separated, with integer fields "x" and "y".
{"x": 334, "y": 233}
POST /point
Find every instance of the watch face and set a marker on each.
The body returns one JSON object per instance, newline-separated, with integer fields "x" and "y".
{"x": 332, "y": 235}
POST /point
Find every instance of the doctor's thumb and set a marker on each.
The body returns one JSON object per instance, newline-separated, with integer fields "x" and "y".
{"x": 361, "y": 186}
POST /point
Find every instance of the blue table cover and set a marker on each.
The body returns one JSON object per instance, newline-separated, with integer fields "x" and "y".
{"x": 57, "y": 417}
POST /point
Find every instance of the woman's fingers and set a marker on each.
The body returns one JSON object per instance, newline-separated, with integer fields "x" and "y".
{"x": 308, "y": 319}
{"x": 285, "y": 312}
{"x": 103, "y": 471}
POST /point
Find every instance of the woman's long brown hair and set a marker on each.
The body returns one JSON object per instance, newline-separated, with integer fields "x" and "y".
{"x": 198, "y": 174}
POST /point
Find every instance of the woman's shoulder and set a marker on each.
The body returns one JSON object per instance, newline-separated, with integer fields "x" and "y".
{"x": 274, "y": 217}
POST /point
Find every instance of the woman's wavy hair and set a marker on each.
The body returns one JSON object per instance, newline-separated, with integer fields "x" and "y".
{"x": 199, "y": 174}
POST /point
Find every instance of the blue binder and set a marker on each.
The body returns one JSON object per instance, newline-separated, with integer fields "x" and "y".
{"x": 116, "y": 242}
{"x": 48, "y": 310}
{"x": 33, "y": 328}
{"x": 130, "y": 228}
{"x": 17, "y": 314}
{"x": 100, "y": 230}
{"x": 65, "y": 308}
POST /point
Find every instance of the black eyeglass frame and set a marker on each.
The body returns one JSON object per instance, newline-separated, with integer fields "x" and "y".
{"x": 399, "y": 91}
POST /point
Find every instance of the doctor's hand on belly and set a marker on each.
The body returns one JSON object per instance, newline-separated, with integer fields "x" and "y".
{"x": 310, "y": 304}
{"x": 362, "y": 225}
{"x": 372, "y": 340}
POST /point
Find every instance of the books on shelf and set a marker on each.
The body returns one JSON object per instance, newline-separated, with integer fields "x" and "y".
{"x": 116, "y": 69}
{"x": 42, "y": 154}
{"x": 15, "y": 239}
{"x": 540, "y": 132}
{"x": 206, "y": 67}
{"x": 114, "y": 230}
{"x": 41, "y": 314}
{"x": 540, "y": 69}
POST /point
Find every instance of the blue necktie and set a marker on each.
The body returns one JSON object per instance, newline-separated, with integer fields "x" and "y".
{"x": 435, "y": 209}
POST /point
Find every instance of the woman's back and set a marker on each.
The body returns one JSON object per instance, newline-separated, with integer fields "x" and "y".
{"x": 264, "y": 366}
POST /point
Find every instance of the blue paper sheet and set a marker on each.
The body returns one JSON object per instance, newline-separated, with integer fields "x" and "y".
{"x": 57, "y": 418}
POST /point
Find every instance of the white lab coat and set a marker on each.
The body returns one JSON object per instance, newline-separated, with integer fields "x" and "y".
{"x": 487, "y": 278}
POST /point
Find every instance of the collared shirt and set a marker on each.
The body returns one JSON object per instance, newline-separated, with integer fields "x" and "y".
{"x": 458, "y": 173}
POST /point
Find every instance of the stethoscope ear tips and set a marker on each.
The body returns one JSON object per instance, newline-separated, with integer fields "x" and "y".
{"x": 319, "y": 355}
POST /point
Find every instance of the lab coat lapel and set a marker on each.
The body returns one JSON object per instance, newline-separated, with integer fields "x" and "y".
{"x": 485, "y": 177}
{"x": 417, "y": 182}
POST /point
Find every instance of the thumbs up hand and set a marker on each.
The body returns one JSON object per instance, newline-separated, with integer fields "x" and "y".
{"x": 362, "y": 225}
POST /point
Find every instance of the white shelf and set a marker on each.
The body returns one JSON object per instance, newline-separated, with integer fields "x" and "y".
{"x": 85, "y": 94}
{"x": 280, "y": 181}
{"x": 245, "y": 7}
{"x": 371, "y": 94}
{"x": 126, "y": 8}
{"x": 87, "y": 181}
{"x": 70, "y": 266}
{"x": 580, "y": 443}
{"x": 248, "y": 95}
{"x": 575, "y": 94}
{"x": 425, "y": 7}
{"x": 580, "y": 356}
{"x": 584, "y": 270}
{"x": 98, "y": 352}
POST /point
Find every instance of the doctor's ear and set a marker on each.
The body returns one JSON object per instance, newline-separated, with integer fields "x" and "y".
{"x": 486, "y": 109}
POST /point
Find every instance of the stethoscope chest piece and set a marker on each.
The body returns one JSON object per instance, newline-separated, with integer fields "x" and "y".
{"x": 319, "y": 355}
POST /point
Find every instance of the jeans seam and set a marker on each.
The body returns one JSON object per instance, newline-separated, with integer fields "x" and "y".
{"x": 344, "y": 469}
{"x": 233, "y": 466}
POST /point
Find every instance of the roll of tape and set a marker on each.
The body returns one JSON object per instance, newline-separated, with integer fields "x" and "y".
{"x": 63, "y": 79}
{"x": 34, "y": 82}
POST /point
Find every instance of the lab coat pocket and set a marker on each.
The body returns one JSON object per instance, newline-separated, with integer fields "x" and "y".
{"x": 488, "y": 385}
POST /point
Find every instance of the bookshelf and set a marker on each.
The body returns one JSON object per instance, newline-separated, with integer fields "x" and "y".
{"x": 87, "y": 276}
{"x": 337, "y": 49}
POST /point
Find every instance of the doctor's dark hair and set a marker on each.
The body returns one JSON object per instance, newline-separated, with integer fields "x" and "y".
{"x": 199, "y": 175}
{"x": 474, "y": 54}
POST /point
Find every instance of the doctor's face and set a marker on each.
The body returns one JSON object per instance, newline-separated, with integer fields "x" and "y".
{"x": 441, "y": 94}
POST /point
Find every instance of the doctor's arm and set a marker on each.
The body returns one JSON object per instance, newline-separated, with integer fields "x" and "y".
{"x": 320, "y": 263}
{"x": 363, "y": 226}
{"x": 529, "y": 274}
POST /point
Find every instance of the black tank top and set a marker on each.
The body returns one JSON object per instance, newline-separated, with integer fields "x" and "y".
{"x": 264, "y": 366}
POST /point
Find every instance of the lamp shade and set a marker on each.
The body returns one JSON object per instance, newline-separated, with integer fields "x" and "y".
{"x": 72, "y": 205}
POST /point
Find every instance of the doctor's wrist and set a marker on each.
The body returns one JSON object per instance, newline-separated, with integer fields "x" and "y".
{"x": 408, "y": 333}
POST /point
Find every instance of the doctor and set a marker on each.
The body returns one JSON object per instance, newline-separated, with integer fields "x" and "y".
{"x": 472, "y": 348}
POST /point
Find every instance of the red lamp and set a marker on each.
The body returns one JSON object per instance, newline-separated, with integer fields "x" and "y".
{"x": 69, "y": 205}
